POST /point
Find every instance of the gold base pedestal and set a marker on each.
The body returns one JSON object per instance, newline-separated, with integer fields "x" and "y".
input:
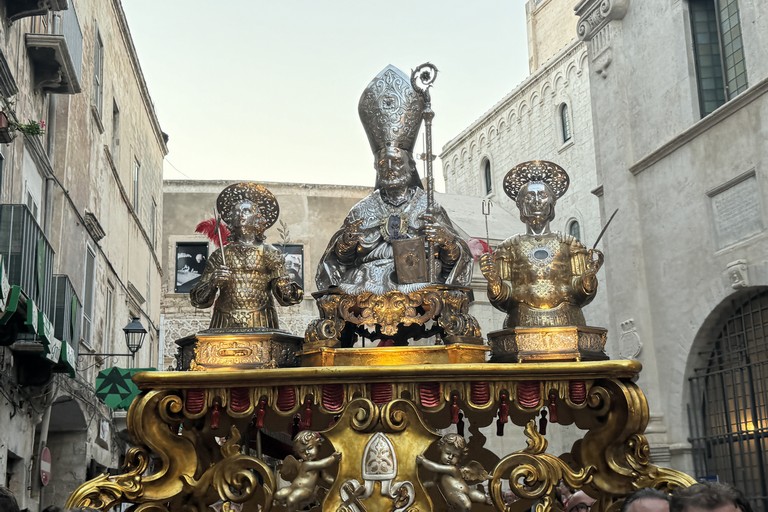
{"x": 388, "y": 414}
{"x": 391, "y": 356}
{"x": 242, "y": 350}
{"x": 571, "y": 343}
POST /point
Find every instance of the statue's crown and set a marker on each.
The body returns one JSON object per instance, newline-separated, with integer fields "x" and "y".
{"x": 391, "y": 111}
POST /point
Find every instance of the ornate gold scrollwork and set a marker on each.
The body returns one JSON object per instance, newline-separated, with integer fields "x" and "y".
{"x": 234, "y": 478}
{"x": 392, "y": 310}
{"x": 648, "y": 475}
{"x": 389, "y": 310}
{"x": 375, "y": 429}
{"x": 534, "y": 474}
{"x": 151, "y": 421}
{"x": 105, "y": 491}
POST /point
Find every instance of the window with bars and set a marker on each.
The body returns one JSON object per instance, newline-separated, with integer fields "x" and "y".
{"x": 729, "y": 402}
{"x": 721, "y": 72}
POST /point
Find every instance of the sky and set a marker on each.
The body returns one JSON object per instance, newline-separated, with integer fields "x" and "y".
{"x": 268, "y": 90}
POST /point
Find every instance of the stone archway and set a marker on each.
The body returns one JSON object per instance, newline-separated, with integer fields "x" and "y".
{"x": 67, "y": 440}
{"x": 728, "y": 389}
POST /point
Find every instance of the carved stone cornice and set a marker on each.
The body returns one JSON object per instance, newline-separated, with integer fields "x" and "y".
{"x": 595, "y": 14}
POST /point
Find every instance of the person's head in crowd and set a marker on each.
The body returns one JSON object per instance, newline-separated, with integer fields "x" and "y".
{"x": 8, "y": 500}
{"x": 563, "y": 492}
{"x": 579, "y": 502}
{"x": 711, "y": 496}
{"x": 646, "y": 500}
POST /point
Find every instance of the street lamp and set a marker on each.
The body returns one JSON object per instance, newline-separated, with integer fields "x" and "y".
{"x": 134, "y": 338}
{"x": 134, "y": 335}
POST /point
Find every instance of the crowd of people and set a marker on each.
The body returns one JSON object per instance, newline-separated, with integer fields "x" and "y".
{"x": 702, "y": 497}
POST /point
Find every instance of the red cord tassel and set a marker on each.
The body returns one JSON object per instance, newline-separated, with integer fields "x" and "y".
{"x": 306, "y": 417}
{"x": 261, "y": 412}
{"x": 503, "y": 414}
{"x": 552, "y": 406}
{"x": 454, "y": 409}
{"x": 215, "y": 415}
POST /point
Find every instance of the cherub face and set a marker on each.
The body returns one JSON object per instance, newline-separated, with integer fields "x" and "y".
{"x": 310, "y": 450}
{"x": 449, "y": 454}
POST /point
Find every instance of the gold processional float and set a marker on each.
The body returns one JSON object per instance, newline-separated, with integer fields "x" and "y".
{"x": 394, "y": 360}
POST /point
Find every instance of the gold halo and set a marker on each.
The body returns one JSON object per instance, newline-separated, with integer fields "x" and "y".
{"x": 249, "y": 191}
{"x": 536, "y": 170}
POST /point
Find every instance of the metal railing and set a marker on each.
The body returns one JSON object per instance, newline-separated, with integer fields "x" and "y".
{"x": 67, "y": 311}
{"x": 729, "y": 404}
{"x": 27, "y": 255}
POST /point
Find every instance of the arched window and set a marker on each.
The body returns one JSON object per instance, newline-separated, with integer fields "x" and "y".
{"x": 487, "y": 177}
{"x": 729, "y": 400}
{"x": 565, "y": 123}
{"x": 574, "y": 229}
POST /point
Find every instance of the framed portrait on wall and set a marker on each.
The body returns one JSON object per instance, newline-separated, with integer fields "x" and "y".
{"x": 294, "y": 262}
{"x": 191, "y": 258}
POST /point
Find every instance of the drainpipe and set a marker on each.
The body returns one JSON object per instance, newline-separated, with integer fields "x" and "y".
{"x": 49, "y": 181}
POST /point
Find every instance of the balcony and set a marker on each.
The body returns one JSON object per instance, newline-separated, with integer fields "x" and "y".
{"x": 17, "y": 9}
{"x": 27, "y": 255}
{"x": 27, "y": 260}
{"x": 56, "y": 53}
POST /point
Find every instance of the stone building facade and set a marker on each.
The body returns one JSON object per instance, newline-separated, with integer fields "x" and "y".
{"x": 79, "y": 229}
{"x": 668, "y": 103}
{"x": 679, "y": 95}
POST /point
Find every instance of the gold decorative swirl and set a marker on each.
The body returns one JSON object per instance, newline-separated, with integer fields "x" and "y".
{"x": 393, "y": 417}
{"x": 104, "y": 491}
{"x": 366, "y": 415}
{"x": 170, "y": 409}
{"x": 534, "y": 474}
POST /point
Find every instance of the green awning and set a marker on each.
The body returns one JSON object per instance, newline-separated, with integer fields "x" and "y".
{"x": 53, "y": 346}
{"x": 115, "y": 387}
{"x": 5, "y": 286}
{"x": 14, "y": 297}
{"x": 68, "y": 359}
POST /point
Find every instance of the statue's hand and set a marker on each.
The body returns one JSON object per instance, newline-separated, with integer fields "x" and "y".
{"x": 594, "y": 261}
{"x": 289, "y": 289}
{"x": 437, "y": 233}
{"x": 420, "y": 459}
{"x": 351, "y": 233}
{"x": 337, "y": 455}
{"x": 221, "y": 276}
{"x": 488, "y": 268}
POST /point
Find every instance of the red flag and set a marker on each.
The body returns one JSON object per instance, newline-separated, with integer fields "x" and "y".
{"x": 208, "y": 228}
{"x": 477, "y": 247}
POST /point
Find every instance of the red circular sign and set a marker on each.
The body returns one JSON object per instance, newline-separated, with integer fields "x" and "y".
{"x": 45, "y": 465}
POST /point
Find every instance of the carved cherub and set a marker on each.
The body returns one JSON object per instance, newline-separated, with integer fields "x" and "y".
{"x": 455, "y": 480}
{"x": 303, "y": 473}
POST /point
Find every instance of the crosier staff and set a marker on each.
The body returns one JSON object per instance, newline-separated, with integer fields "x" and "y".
{"x": 422, "y": 79}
